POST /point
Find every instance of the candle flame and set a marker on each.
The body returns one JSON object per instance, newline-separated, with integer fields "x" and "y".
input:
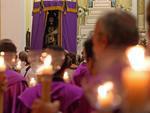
{"x": 46, "y": 67}
{"x": 136, "y": 57}
{"x": 2, "y": 53}
{"x": 33, "y": 82}
{"x": 104, "y": 89}
{"x": 18, "y": 65}
{"x": 2, "y": 64}
{"x": 48, "y": 60}
{"x": 66, "y": 76}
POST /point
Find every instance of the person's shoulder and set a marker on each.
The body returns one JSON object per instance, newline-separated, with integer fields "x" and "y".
{"x": 72, "y": 90}
{"x": 29, "y": 95}
{"x": 13, "y": 73}
{"x": 13, "y": 76}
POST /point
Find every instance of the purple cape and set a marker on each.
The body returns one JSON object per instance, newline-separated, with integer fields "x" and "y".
{"x": 71, "y": 98}
{"x": 16, "y": 85}
{"x": 80, "y": 73}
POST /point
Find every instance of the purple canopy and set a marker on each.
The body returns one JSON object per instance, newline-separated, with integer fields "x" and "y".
{"x": 68, "y": 24}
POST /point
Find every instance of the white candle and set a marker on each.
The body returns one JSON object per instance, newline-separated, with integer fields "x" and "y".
{"x": 105, "y": 95}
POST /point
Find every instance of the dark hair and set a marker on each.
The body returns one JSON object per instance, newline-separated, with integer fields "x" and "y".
{"x": 23, "y": 56}
{"x": 72, "y": 57}
{"x": 148, "y": 14}
{"x": 6, "y": 45}
{"x": 58, "y": 75}
{"x": 119, "y": 28}
{"x": 88, "y": 46}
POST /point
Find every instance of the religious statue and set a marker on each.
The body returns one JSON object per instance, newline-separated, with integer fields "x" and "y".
{"x": 51, "y": 32}
{"x": 124, "y": 4}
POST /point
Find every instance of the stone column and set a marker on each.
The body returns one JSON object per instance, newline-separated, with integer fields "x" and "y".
{"x": 141, "y": 15}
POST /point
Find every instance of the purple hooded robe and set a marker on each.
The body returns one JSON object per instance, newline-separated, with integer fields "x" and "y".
{"x": 80, "y": 73}
{"x": 71, "y": 98}
{"x": 16, "y": 85}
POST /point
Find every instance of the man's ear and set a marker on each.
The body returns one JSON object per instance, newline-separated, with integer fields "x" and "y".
{"x": 104, "y": 42}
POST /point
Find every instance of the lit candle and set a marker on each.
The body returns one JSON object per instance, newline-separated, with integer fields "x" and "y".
{"x": 135, "y": 79}
{"x": 66, "y": 77}
{"x": 32, "y": 82}
{"x": 46, "y": 70}
{"x": 2, "y": 64}
{"x": 2, "y": 77}
{"x": 105, "y": 95}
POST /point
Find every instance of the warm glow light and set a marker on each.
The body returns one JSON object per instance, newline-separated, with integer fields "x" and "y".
{"x": 105, "y": 94}
{"x": 2, "y": 53}
{"x": 66, "y": 77}
{"x": 13, "y": 60}
{"x": 2, "y": 64}
{"x": 44, "y": 54}
{"x": 18, "y": 67}
{"x": 48, "y": 60}
{"x": 104, "y": 89}
{"x": 136, "y": 57}
{"x": 32, "y": 82}
{"x": 46, "y": 68}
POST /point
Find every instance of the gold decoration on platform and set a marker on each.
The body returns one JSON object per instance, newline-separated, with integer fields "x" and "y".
{"x": 141, "y": 15}
{"x": 124, "y": 4}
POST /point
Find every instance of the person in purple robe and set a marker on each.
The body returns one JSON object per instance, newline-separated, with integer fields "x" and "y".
{"x": 113, "y": 34}
{"x": 86, "y": 69}
{"x": 16, "y": 84}
{"x": 70, "y": 97}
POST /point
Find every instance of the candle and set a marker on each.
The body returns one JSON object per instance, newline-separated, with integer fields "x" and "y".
{"x": 2, "y": 78}
{"x": 47, "y": 68}
{"x": 46, "y": 71}
{"x": 32, "y": 82}
{"x": 66, "y": 77}
{"x": 2, "y": 64}
{"x": 135, "y": 80}
{"x": 105, "y": 95}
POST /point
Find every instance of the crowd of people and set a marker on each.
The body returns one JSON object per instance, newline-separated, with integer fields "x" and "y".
{"x": 102, "y": 55}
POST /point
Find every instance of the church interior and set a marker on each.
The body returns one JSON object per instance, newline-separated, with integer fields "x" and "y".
{"x": 74, "y": 56}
